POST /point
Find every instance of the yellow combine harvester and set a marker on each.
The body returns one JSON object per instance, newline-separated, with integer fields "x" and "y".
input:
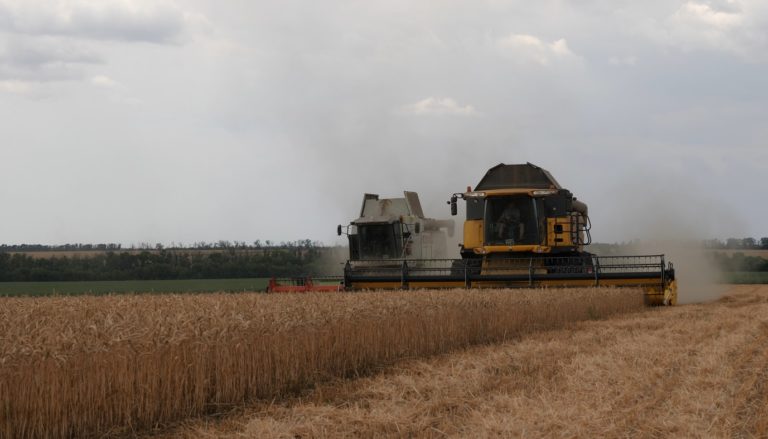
{"x": 522, "y": 230}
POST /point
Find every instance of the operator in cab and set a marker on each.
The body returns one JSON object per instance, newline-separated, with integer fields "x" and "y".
{"x": 509, "y": 226}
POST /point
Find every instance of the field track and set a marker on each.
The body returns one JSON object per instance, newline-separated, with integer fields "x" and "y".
{"x": 688, "y": 371}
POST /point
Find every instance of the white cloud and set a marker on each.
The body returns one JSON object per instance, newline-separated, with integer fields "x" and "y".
{"x": 736, "y": 26}
{"x": 103, "y": 81}
{"x": 440, "y": 105}
{"x": 705, "y": 14}
{"x": 536, "y": 50}
{"x": 15, "y": 87}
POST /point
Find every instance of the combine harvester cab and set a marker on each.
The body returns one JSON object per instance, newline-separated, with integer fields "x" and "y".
{"x": 390, "y": 233}
{"x": 522, "y": 230}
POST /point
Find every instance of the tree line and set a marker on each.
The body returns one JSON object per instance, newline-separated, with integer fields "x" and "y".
{"x": 739, "y": 262}
{"x": 200, "y": 245}
{"x": 737, "y": 243}
{"x": 239, "y": 259}
{"x": 166, "y": 264}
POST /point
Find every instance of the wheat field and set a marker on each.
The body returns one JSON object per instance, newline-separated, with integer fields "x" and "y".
{"x": 691, "y": 371}
{"x": 113, "y": 365}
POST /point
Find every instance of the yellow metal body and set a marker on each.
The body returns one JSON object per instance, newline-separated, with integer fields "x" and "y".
{"x": 473, "y": 234}
{"x": 560, "y": 232}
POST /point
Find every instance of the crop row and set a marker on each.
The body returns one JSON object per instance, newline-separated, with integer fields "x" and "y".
{"x": 87, "y": 366}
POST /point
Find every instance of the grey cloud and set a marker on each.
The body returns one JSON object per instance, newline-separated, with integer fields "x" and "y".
{"x": 44, "y": 59}
{"x": 43, "y": 43}
{"x": 575, "y": 118}
{"x": 279, "y": 138}
{"x": 156, "y": 22}
{"x": 40, "y": 51}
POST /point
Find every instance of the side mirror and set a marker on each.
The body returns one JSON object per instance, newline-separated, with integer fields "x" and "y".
{"x": 338, "y": 230}
{"x": 454, "y": 208}
{"x": 418, "y": 228}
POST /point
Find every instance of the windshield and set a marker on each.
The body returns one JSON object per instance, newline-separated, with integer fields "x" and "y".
{"x": 511, "y": 221}
{"x": 378, "y": 241}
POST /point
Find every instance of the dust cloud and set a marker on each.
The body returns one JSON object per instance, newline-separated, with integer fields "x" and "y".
{"x": 671, "y": 217}
{"x": 331, "y": 261}
{"x": 698, "y": 279}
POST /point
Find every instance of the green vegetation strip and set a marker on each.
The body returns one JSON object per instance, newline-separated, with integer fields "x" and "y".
{"x": 132, "y": 286}
{"x": 746, "y": 277}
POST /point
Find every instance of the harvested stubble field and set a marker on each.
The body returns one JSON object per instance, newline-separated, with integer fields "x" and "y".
{"x": 93, "y": 366}
{"x": 688, "y": 371}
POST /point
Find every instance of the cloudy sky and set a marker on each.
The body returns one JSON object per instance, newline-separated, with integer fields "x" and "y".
{"x": 181, "y": 121}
